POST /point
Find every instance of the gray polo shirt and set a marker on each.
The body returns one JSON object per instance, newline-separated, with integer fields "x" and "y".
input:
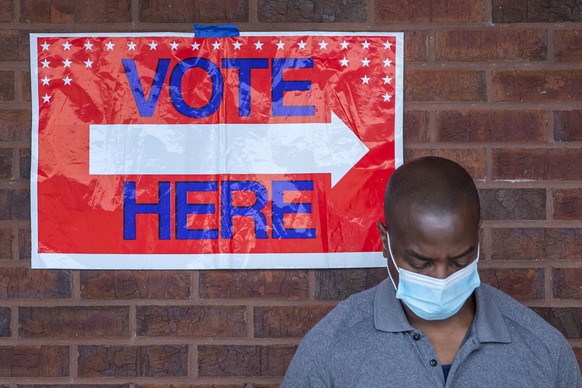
{"x": 366, "y": 341}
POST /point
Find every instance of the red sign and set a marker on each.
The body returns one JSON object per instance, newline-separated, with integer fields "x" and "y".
{"x": 155, "y": 151}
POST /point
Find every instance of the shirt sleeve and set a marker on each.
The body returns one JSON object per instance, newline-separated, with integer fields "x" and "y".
{"x": 568, "y": 370}
{"x": 309, "y": 368}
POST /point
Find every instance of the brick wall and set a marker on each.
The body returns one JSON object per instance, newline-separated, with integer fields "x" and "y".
{"x": 493, "y": 84}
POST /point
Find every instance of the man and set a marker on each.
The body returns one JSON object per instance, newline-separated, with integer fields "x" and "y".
{"x": 432, "y": 324}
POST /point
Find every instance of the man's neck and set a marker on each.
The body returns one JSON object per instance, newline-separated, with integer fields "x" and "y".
{"x": 446, "y": 336}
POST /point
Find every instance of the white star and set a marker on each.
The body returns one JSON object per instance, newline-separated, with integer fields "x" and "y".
{"x": 45, "y": 63}
{"x": 88, "y": 46}
{"x": 67, "y": 45}
{"x": 387, "y": 97}
{"x": 259, "y": 45}
{"x": 387, "y": 45}
{"x": 344, "y": 45}
{"x": 195, "y": 46}
{"x": 110, "y": 45}
{"x": 280, "y": 45}
{"x": 344, "y": 61}
{"x": 174, "y": 45}
{"x": 88, "y": 64}
{"x": 387, "y": 80}
{"x": 302, "y": 45}
{"x": 45, "y": 80}
{"x": 45, "y": 46}
{"x": 387, "y": 62}
{"x": 67, "y": 63}
{"x": 153, "y": 45}
{"x": 366, "y": 44}
{"x": 131, "y": 46}
{"x": 365, "y": 62}
{"x": 67, "y": 80}
{"x": 365, "y": 79}
{"x": 323, "y": 45}
{"x": 216, "y": 45}
{"x": 46, "y": 98}
{"x": 237, "y": 45}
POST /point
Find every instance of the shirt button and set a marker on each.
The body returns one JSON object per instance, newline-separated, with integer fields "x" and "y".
{"x": 416, "y": 336}
{"x": 433, "y": 362}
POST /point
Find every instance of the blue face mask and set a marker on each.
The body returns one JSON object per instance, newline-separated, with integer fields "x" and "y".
{"x": 431, "y": 298}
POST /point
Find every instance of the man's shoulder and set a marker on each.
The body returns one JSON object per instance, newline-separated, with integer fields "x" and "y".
{"x": 522, "y": 318}
{"x": 346, "y": 315}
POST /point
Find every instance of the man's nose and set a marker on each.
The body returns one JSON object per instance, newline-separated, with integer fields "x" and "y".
{"x": 443, "y": 271}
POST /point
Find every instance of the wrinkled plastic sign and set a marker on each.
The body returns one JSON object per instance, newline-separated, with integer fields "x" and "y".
{"x": 166, "y": 151}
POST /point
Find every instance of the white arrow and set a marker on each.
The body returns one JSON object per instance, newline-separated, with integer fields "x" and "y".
{"x": 192, "y": 149}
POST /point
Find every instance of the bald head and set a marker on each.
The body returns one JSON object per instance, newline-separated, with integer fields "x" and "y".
{"x": 434, "y": 185}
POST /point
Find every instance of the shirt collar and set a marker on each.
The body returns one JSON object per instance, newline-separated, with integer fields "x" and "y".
{"x": 388, "y": 312}
{"x": 489, "y": 324}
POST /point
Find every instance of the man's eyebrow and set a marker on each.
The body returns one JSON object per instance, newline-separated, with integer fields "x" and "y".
{"x": 424, "y": 258}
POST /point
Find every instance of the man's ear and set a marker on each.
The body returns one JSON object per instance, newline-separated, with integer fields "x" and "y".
{"x": 383, "y": 238}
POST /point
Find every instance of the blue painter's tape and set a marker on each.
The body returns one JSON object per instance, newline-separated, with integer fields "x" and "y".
{"x": 215, "y": 31}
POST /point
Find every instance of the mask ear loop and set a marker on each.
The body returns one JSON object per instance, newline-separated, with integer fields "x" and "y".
{"x": 393, "y": 261}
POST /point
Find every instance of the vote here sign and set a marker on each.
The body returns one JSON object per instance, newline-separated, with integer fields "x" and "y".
{"x": 168, "y": 151}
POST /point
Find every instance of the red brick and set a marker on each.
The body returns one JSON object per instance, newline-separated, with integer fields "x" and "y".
{"x": 422, "y": 11}
{"x": 6, "y": 163}
{"x": 24, "y": 283}
{"x": 240, "y": 360}
{"x": 133, "y": 361}
{"x": 9, "y": 42}
{"x": 520, "y": 283}
{"x": 473, "y": 159}
{"x": 534, "y": 85}
{"x": 287, "y": 321}
{"x": 24, "y": 244}
{"x": 115, "y": 285}
{"x": 475, "y": 126}
{"x": 247, "y": 385}
{"x": 491, "y": 45}
{"x": 5, "y": 320}
{"x": 6, "y": 10}
{"x": 15, "y": 45}
{"x": 74, "y": 322}
{"x": 416, "y": 129}
{"x": 26, "y": 86}
{"x": 290, "y": 284}
{"x": 309, "y": 11}
{"x": 517, "y": 11}
{"x": 186, "y": 11}
{"x": 536, "y": 164}
{"x": 336, "y": 284}
{"x": 536, "y": 243}
{"x": 568, "y": 125}
{"x": 416, "y": 43}
{"x": 444, "y": 85}
{"x": 34, "y": 361}
{"x": 14, "y": 204}
{"x": 76, "y": 11}
{"x": 7, "y": 92}
{"x": 77, "y": 386}
{"x": 15, "y": 125}
{"x": 24, "y": 156}
{"x": 191, "y": 321}
{"x": 568, "y": 204}
{"x": 513, "y": 204}
{"x": 578, "y": 354}
{"x": 567, "y": 320}
{"x": 567, "y": 283}
{"x": 6, "y": 238}
{"x": 568, "y": 45}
